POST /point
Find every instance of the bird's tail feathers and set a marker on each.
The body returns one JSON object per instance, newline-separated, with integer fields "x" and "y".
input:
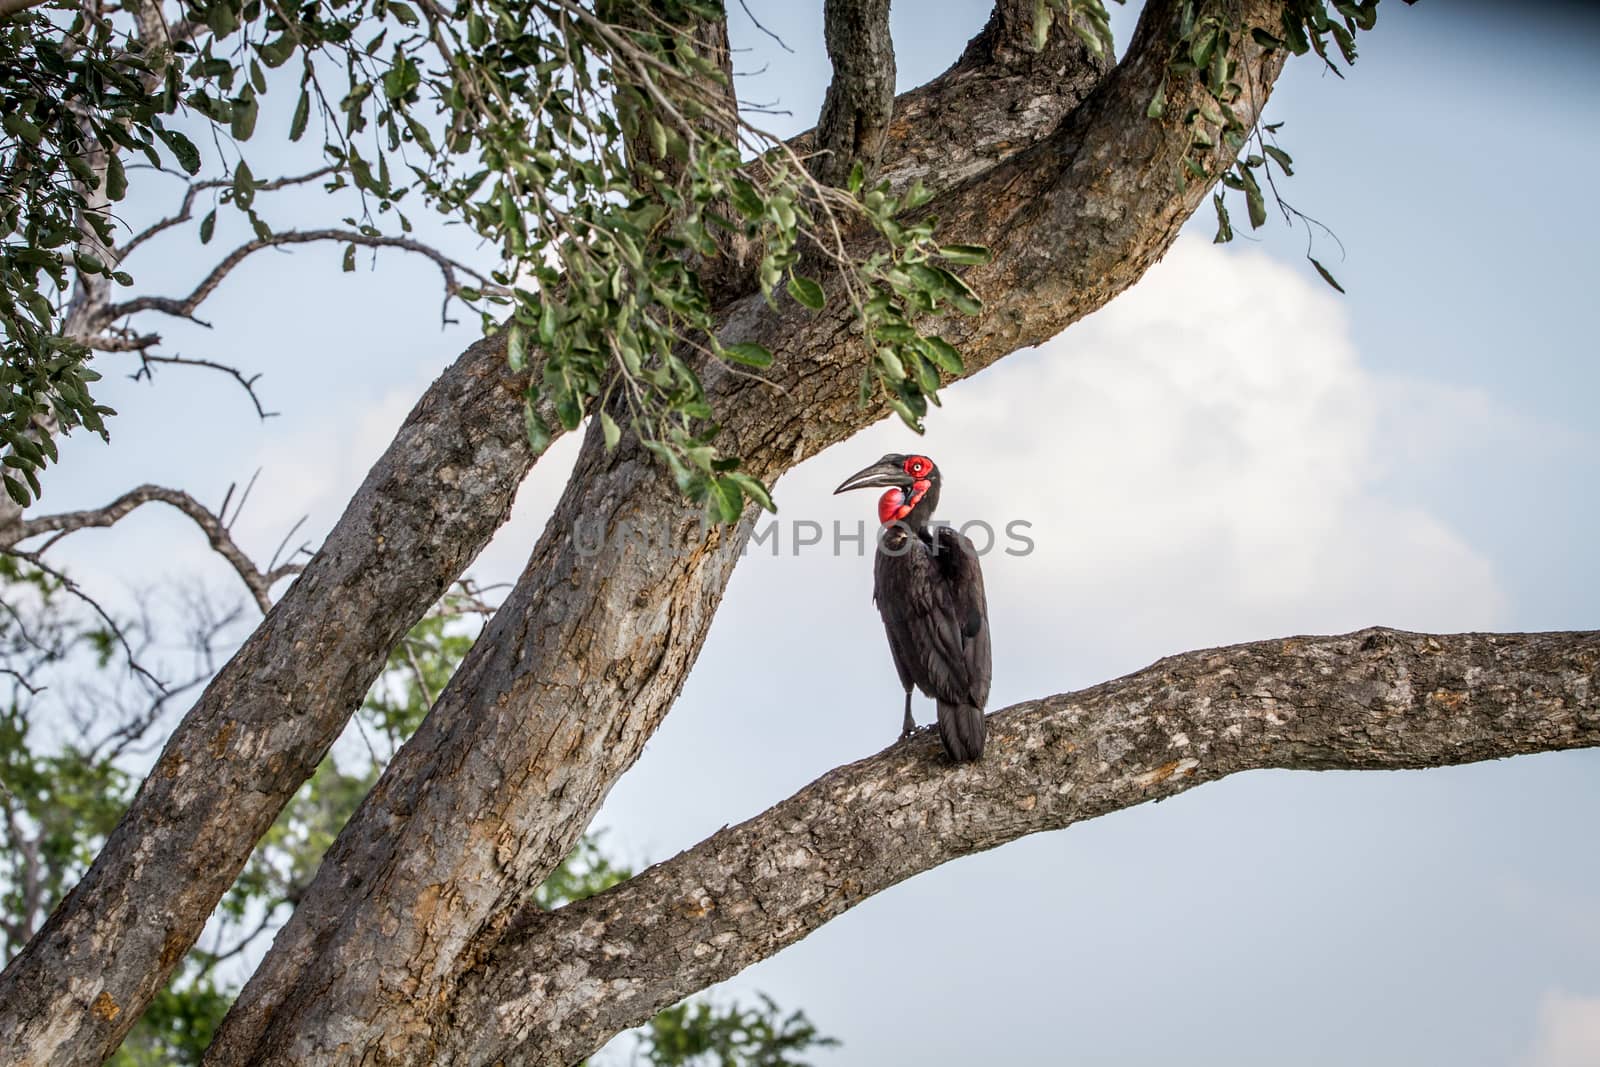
{"x": 961, "y": 728}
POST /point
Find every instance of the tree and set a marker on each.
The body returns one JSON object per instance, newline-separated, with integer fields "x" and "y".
{"x": 417, "y": 939}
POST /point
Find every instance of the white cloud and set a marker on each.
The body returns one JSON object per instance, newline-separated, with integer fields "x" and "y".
{"x": 1200, "y": 463}
{"x": 1568, "y": 1033}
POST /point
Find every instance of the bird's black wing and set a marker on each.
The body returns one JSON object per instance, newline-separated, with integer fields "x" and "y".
{"x": 932, "y": 602}
{"x": 964, "y": 577}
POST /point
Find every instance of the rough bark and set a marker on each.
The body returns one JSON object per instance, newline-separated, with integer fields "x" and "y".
{"x": 424, "y": 512}
{"x": 561, "y": 983}
{"x": 860, "y": 100}
{"x": 583, "y": 660}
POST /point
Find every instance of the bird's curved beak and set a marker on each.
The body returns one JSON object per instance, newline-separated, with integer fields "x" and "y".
{"x": 882, "y": 473}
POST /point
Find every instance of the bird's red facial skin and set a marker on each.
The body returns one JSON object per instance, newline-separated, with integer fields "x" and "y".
{"x": 918, "y": 466}
{"x": 896, "y": 504}
{"x": 892, "y": 506}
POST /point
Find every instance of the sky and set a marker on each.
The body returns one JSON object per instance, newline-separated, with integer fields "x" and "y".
{"x": 1229, "y": 451}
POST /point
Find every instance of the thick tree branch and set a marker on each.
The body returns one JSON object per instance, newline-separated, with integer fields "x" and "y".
{"x": 561, "y": 983}
{"x": 259, "y": 582}
{"x": 860, "y": 100}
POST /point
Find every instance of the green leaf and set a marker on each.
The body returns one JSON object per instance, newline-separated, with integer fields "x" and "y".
{"x": 276, "y": 52}
{"x": 538, "y": 432}
{"x": 893, "y": 368}
{"x": 1158, "y": 102}
{"x": 727, "y": 499}
{"x": 1281, "y": 158}
{"x": 302, "y": 113}
{"x": 516, "y": 349}
{"x": 753, "y": 489}
{"x": 965, "y": 254}
{"x": 1042, "y": 17}
{"x": 208, "y": 226}
{"x": 612, "y": 431}
{"x": 1265, "y": 39}
{"x": 941, "y": 352}
{"x": 1253, "y": 199}
{"x": 807, "y": 292}
{"x": 1329, "y": 278}
{"x": 748, "y": 353}
{"x": 116, "y": 177}
{"x": 569, "y": 408}
{"x": 183, "y": 149}
{"x": 245, "y": 110}
{"x": 547, "y": 325}
{"x": 1201, "y": 47}
{"x": 349, "y": 258}
{"x": 244, "y": 184}
{"x": 15, "y": 490}
{"x": 1224, "y": 226}
{"x": 19, "y": 125}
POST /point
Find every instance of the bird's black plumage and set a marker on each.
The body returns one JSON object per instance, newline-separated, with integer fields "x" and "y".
{"x": 928, "y": 586}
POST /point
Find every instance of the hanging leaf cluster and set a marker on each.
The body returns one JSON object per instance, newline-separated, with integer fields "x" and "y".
{"x": 1208, "y": 33}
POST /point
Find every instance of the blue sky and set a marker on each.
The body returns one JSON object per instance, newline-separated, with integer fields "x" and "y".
{"x": 1229, "y": 451}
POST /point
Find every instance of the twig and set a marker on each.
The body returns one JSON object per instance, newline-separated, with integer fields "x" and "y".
{"x": 216, "y": 532}
{"x": 185, "y": 307}
{"x": 112, "y": 625}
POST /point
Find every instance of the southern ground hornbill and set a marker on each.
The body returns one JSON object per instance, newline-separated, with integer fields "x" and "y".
{"x": 929, "y": 590}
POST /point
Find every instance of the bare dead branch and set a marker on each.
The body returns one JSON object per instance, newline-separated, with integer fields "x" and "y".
{"x": 860, "y": 100}
{"x": 185, "y": 307}
{"x": 147, "y": 360}
{"x": 259, "y": 584}
{"x": 185, "y": 210}
{"x": 751, "y": 15}
{"x": 113, "y": 627}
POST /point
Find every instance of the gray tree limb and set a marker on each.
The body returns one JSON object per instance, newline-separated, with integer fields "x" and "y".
{"x": 854, "y": 122}
{"x": 561, "y": 983}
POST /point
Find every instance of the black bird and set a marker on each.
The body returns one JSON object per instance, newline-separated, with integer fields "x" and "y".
{"x": 929, "y": 590}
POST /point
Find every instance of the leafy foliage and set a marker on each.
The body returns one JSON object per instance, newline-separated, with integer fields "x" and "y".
{"x": 47, "y": 177}
{"x": 699, "y": 1034}
{"x": 1087, "y": 18}
{"x": 1209, "y": 31}
{"x": 593, "y": 146}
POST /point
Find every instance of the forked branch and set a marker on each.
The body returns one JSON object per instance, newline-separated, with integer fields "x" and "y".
{"x": 215, "y": 526}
